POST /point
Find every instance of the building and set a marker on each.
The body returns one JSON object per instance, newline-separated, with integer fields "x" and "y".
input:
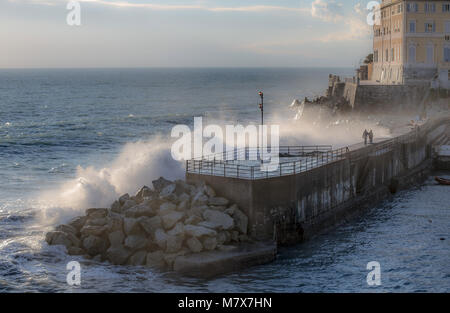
{"x": 411, "y": 44}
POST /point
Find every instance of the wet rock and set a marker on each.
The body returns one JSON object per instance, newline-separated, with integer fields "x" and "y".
{"x": 116, "y": 238}
{"x": 128, "y": 205}
{"x": 182, "y": 187}
{"x": 66, "y": 229}
{"x": 197, "y": 210}
{"x": 124, "y": 198}
{"x": 231, "y": 209}
{"x": 218, "y": 201}
{"x": 139, "y": 258}
{"x": 161, "y": 238}
{"x": 116, "y": 207}
{"x": 167, "y": 190}
{"x": 183, "y": 206}
{"x": 194, "y": 245}
{"x": 78, "y": 222}
{"x": 184, "y": 197}
{"x": 209, "y": 191}
{"x": 160, "y": 183}
{"x": 169, "y": 220}
{"x": 96, "y": 212}
{"x": 131, "y": 226}
{"x": 135, "y": 242}
{"x": 88, "y": 230}
{"x": 100, "y": 221}
{"x": 166, "y": 207}
{"x": 170, "y": 258}
{"x": 209, "y": 243}
{"x": 193, "y": 220}
{"x": 115, "y": 222}
{"x": 178, "y": 230}
{"x": 199, "y": 199}
{"x": 58, "y": 238}
{"x": 150, "y": 224}
{"x": 220, "y": 208}
{"x": 155, "y": 259}
{"x": 241, "y": 221}
{"x": 75, "y": 251}
{"x": 94, "y": 245}
{"x": 199, "y": 231}
{"x": 173, "y": 243}
{"x": 118, "y": 255}
{"x": 222, "y": 237}
{"x": 144, "y": 192}
{"x": 139, "y": 210}
{"x": 221, "y": 220}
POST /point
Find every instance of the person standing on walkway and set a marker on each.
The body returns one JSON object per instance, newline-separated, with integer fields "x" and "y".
{"x": 371, "y": 136}
{"x": 365, "y": 134}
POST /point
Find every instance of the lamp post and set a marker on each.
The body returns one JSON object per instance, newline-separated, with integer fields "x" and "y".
{"x": 261, "y": 107}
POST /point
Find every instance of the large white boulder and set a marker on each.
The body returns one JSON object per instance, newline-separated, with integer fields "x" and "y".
{"x": 221, "y": 221}
{"x": 199, "y": 231}
{"x": 241, "y": 221}
{"x": 169, "y": 220}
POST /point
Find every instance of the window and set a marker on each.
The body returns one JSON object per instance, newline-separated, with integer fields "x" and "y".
{"x": 447, "y": 27}
{"x": 446, "y": 54}
{"x": 430, "y": 54}
{"x": 430, "y": 27}
{"x": 387, "y": 55}
{"x": 448, "y": 75}
{"x": 412, "y": 54}
{"x": 392, "y": 55}
{"x": 430, "y": 7}
{"x": 412, "y": 7}
{"x": 412, "y": 26}
{"x": 446, "y": 7}
{"x": 375, "y": 56}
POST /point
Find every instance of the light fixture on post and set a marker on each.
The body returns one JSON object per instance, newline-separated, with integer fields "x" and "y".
{"x": 261, "y": 107}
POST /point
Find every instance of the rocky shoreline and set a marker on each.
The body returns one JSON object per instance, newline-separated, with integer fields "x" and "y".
{"x": 155, "y": 227}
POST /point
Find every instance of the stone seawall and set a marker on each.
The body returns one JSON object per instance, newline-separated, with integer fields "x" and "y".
{"x": 373, "y": 97}
{"x": 294, "y": 207}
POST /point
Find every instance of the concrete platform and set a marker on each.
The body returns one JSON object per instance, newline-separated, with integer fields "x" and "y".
{"x": 233, "y": 258}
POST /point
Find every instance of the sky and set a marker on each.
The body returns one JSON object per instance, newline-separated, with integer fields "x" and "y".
{"x": 184, "y": 33}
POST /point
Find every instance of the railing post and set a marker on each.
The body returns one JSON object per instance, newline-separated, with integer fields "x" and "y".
{"x": 224, "y": 174}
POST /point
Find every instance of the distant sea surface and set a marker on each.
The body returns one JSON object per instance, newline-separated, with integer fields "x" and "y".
{"x": 52, "y": 121}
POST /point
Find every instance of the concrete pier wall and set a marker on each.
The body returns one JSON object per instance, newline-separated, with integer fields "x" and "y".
{"x": 294, "y": 207}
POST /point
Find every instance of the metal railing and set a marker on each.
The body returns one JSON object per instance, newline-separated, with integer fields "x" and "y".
{"x": 312, "y": 157}
{"x": 254, "y": 153}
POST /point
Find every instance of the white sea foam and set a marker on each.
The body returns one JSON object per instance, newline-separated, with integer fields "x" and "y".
{"x": 137, "y": 164}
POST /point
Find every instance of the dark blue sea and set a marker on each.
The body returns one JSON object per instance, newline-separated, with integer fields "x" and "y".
{"x": 70, "y": 139}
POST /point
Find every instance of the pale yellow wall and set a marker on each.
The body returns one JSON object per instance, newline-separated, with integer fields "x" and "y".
{"x": 397, "y": 36}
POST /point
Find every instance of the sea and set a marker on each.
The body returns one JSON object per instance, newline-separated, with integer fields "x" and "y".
{"x": 77, "y": 138}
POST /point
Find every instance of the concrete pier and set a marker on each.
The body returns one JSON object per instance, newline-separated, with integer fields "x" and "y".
{"x": 211, "y": 263}
{"x": 292, "y": 207}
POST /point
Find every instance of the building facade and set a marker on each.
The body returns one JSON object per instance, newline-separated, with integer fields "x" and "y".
{"x": 411, "y": 43}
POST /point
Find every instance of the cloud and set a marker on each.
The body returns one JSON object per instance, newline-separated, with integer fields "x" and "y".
{"x": 354, "y": 23}
{"x": 328, "y": 11}
{"x": 171, "y": 7}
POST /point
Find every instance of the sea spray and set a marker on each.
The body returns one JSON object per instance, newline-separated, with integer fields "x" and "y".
{"x": 138, "y": 164}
